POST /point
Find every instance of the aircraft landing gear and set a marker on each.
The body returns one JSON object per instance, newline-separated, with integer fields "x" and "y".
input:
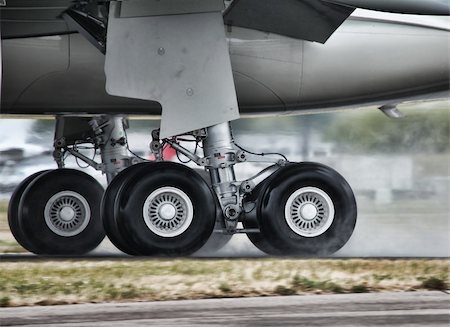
{"x": 286, "y": 209}
{"x": 13, "y": 212}
{"x": 304, "y": 209}
{"x": 167, "y": 209}
{"x": 57, "y": 212}
{"x": 162, "y": 208}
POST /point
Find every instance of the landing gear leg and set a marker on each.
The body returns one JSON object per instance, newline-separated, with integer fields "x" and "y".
{"x": 286, "y": 209}
{"x": 218, "y": 147}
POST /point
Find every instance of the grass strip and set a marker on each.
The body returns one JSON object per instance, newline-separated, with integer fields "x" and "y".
{"x": 78, "y": 281}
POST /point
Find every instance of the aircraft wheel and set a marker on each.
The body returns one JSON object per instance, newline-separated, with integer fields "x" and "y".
{"x": 59, "y": 213}
{"x": 305, "y": 209}
{"x": 250, "y": 221}
{"x": 109, "y": 207}
{"x": 168, "y": 210}
{"x": 258, "y": 239}
{"x": 13, "y": 212}
{"x": 217, "y": 240}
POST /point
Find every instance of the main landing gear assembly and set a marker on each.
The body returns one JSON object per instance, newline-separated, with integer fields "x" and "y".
{"x": 161, "y": 208}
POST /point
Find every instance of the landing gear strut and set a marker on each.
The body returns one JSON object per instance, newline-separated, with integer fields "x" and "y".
{"x": 167, "y": 209}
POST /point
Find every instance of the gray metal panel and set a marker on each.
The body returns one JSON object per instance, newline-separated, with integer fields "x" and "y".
{"x": 310, "y": 20}
{"x": 28, "y": 18}
{"x": 16, "y": 29}
{"x": 375, "y": 60}
{"x": 418, "y": 7}
{"x": 181, "y": 61}
{"x": 140, "y": 8}
{"x": 272, "y": 61}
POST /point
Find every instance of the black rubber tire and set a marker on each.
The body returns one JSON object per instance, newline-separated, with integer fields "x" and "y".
{"x": 250, "y": 221}
{"x": 13, "y": 212}
{"x": 109, "y": 208}
{"x": 258, "y": 239}
{"x": 32, "y": 220}
{"x": 132, "y": 197}
{"x": 279, "y": 238}
{"x": 217, "y": 240}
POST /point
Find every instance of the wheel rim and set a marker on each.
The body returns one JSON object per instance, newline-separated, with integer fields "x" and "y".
{"x": 309, "y": 212}
{"x": 67, "y": 213}
{"x": 168, "y": 212}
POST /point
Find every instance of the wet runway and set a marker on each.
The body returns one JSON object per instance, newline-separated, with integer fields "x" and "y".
{"x": 378, "y": 309}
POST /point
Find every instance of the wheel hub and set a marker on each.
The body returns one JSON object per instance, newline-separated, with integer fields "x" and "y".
{"x": 67, "y": 213}
{"x": 309, "y": 212}
{"x": 168, "y": 212}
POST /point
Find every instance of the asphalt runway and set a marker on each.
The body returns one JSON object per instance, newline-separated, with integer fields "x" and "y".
{"x": 30, "y": 257}
{"x": 377, "y": 309}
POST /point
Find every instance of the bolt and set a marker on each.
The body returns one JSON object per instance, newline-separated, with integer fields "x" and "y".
{"x": 161, "y": 51}
{"x": 190, "y": 92}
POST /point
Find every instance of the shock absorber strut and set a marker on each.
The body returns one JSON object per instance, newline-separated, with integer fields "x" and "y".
{"x": 219, "y": 148}
{"x": 113, "y": 145}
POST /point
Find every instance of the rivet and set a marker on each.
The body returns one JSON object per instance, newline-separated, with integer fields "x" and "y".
{"x": 190, "y": 92}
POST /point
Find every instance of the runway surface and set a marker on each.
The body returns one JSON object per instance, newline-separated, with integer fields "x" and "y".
{"x": 101, "y": 256}
{"x": 377, "y": 309}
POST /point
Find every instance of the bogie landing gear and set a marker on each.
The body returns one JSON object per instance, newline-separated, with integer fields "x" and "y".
{"x": 167, "y": 209}
{"x": 287, "y": 209}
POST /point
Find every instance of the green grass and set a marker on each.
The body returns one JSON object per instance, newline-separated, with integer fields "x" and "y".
{"x": 78, "y": 281}
{"x": 7, "y": 242}
{"x": 434, "y": 283}
{"x": 360, "y": 288}
{"x": 10, "y": 246}
{"x": 3, "y": 215}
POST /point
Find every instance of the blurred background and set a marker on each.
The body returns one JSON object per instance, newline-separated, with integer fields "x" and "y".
{"x": 399, "y": 170}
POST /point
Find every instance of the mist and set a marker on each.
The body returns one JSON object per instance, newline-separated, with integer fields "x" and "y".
{"x": 398, "y": 169}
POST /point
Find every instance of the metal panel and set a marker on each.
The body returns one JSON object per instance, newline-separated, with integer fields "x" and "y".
{"x": 22, "y": 29}
{"x": 141, "y": 8}
{"x": 417, "y": 7}
{"x": 181, "y": 61}
{"x": 28, "y": 18}
{"x": 310, "y": 20}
